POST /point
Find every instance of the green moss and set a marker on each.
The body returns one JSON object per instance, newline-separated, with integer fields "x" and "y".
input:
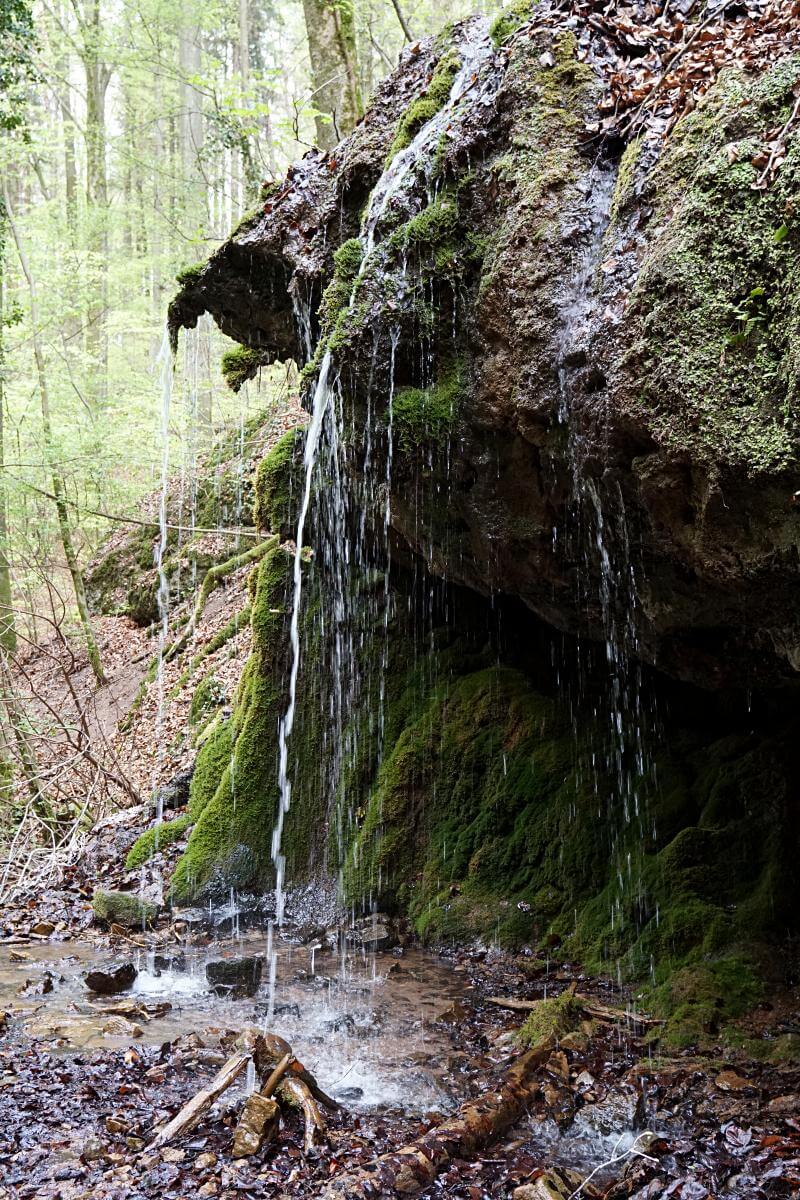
{"x": 509, "y": 19}
{"x": 274, "y": 484}
{"x": 552, "y": 1018}
{"x": 123, "y": 908}
{"x": 717, "y": 303}
{"x": 336, "y": 297}
{"x": 425, "y": 416}
{"x": 700, "y": 999}
{"x": 234, "y": 792}
{"x": 188, "y": 276}
{"x": 426, "y": 106}
{"x": 206, "y": 698}
{"x": 158, "y": 837}
{"x": 239, "y": 365}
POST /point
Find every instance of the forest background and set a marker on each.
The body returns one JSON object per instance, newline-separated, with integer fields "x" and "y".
{"x": 134, "y": 135}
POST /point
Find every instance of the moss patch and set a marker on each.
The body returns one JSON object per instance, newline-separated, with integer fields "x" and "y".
{"x": 239, "y": 365}
{"x": 717, "y": 305}
{"x": 424, "y": 416}
{"x": 509, "y": 20}
{"x": 552, "y": 1018}
{"x": 158, "y": 837}
{"x": 426, "y": 106}
{"x": 274, "y": 487}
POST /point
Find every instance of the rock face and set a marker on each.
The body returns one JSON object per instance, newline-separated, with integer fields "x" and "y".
{"x": 570, "y": 341}
{"x": 566, "y": 386}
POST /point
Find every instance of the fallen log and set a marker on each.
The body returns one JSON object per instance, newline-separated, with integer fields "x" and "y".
{"x": 297, "y": 1094}
{"x": 475, "y": 1125}
{"x": 591, "y": 1008}
{"x": 192, "y": 1113}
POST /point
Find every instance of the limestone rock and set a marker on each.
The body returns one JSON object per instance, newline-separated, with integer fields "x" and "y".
{"x": 235, "y": 978}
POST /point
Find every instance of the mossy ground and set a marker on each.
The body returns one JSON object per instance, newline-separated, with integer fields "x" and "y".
{"x": 552, "y": 1018}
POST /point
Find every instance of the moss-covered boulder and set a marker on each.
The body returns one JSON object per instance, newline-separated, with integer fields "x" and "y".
{"x": 630, "y": 321}
{"x": 125, "y": 909}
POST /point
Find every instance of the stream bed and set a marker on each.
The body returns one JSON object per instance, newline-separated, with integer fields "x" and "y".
{"x": 366, "y": 1025}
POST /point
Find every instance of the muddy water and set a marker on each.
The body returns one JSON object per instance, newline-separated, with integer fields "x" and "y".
{"x": 365, "y": 1025}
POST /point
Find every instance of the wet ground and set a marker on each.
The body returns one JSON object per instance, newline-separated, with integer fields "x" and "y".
{"x": 364, "y": 1024}
{"x": 401, "y": 1037}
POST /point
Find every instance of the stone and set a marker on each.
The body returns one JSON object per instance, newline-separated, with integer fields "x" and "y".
{"x": 235, "y": 978}
{"x": 731, "y": 1081}
{"x": 557, "y": 1183}
{"x": 109, "y": 983}
{"x": 125, "y": 909}
{"x": 205, "y": 1162}
{"x": 257, "y": 1125}
{"x": 43, "y": 928}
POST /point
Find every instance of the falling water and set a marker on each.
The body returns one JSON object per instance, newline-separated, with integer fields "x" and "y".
{"x": 165, "y": 364}
{"x": 403, "y": 169}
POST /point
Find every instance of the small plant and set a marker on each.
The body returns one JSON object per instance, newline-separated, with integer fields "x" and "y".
{"x": 750, "y": 315}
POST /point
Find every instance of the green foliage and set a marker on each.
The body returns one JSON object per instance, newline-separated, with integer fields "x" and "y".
{"x": 16, "y": 68}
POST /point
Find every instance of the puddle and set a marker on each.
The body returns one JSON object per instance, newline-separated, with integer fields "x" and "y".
{"x": 363, "y": 1024}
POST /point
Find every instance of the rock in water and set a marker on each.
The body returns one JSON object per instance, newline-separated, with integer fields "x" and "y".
{"x": 108, "y": 983}
{"x": 556, "y": 1184}
{"x": 235, "y": 978}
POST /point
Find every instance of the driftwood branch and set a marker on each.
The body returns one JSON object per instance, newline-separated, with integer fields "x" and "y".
{"x": 475, "y": 1125}
{"x": 192, "y": 1113}
{"x": 298, "y": 1094}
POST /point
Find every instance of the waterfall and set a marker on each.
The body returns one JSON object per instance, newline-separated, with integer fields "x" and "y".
{"x": 403, "y": 169}
{"x": 596, "y": 534}
{"x": 165, "y": 365}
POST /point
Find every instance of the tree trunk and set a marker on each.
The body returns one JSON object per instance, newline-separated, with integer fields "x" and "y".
{"x": 330, "y": 29}
{"x": 97, "y": 76}
{"x": 59, "y": 490}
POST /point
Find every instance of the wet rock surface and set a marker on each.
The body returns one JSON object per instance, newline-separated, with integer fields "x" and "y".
{"x": 686, "y": 441}
{"x": 236, "y": 977}
{"x": 109, "y": 983}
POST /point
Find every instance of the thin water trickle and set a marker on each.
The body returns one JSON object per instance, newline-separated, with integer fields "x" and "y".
{"x": 165, "y": 365}
{"x": 340, "y": 555}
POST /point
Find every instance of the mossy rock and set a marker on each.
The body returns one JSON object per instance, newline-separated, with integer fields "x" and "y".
{"x": 277, "y": 480}
{"x": 125, "y": 909}
{"x": 239, "y": 365}
{"x": 551, "y": 1018}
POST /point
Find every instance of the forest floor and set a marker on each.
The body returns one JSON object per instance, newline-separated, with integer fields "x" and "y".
{"x": 77, "y": 1124}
